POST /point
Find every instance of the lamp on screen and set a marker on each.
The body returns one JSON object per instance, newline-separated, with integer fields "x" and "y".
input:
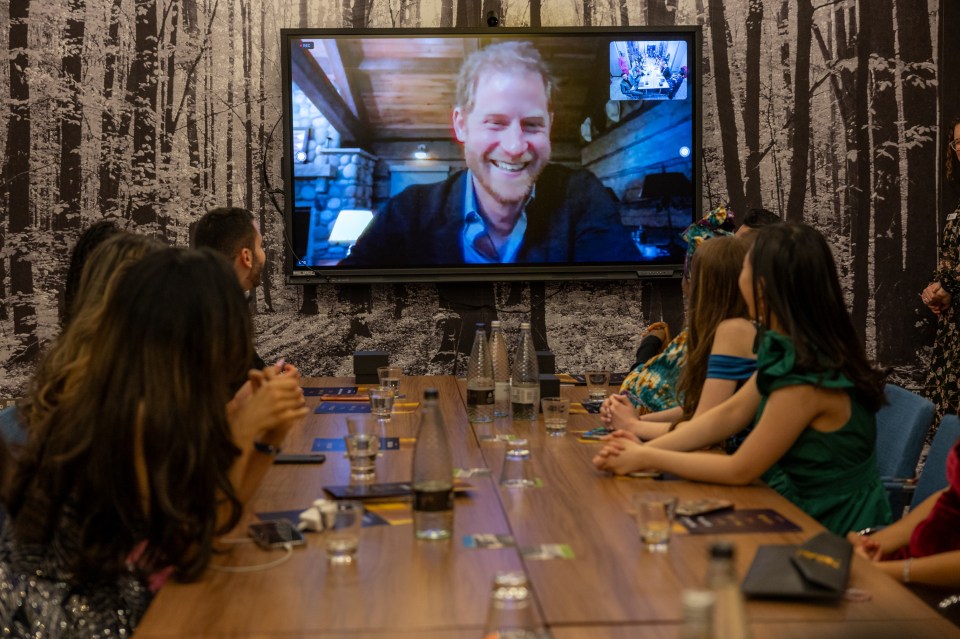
{"x": 349, "y": 225}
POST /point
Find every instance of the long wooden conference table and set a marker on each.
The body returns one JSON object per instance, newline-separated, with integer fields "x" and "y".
{"x": 400, "y": 587}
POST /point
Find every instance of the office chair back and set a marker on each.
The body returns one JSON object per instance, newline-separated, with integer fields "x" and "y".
{"x": 902, "y": 425}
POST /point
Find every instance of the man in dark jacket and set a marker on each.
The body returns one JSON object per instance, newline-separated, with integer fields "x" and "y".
{"x": 510, "y": 205}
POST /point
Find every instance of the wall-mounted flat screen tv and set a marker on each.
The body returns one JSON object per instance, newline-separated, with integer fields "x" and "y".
{"x": 493, "y": 154}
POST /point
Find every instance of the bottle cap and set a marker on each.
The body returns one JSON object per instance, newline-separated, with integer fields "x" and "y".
{"x": 722, "y": 549}
{"x": 481, "y": 326}
{"x": 495, "y": 324}
{"x": 431, "y": 393}
{"x": 524, "y": 325}
{"x": 697, "y": 599}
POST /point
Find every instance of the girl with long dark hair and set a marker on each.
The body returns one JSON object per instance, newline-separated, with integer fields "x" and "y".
{"x": 140, "y": 464}
{"x": 814, "y": 395}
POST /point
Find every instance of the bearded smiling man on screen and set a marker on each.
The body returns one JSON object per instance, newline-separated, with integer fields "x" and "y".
{"x": 511, "y": 205}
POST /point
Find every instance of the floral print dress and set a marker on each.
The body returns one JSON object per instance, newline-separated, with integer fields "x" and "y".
{"x": 942, "y": 379}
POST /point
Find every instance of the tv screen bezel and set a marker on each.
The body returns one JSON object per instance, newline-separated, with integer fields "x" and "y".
{"x": 296, "y": 274}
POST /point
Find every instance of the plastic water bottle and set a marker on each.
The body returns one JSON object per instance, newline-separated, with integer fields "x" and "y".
{"x": 729, "y": 614}
{"x": 697, "y": 614}
{"x": 525, "y": 382}
{"x": 501, "y": 371}
{"x": 432, "y": 473}
{"x": 480, "y": 387}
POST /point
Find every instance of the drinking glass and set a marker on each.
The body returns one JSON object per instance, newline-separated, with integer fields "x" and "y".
{"x": 341, "y": 530}
{"x": 517, "y": 471}
{"x": 555, "y": 413}
{"x": 363, "y": 446}
{"x": 512, "y": 612}
{"x": 654, "y": 513}
{"x": 390, "y": 376}
{"x": 597, "y": 382}
{"x": 381, "y": 401}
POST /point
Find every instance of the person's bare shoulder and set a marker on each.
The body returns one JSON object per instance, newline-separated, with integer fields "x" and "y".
{"x": 735, "y": 337}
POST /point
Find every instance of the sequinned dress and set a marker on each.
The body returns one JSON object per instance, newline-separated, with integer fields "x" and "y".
{"x": 39, "y": 597}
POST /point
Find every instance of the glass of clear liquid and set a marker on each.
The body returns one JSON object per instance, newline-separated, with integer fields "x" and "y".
{"x": 381, "y": 401}
{"x": 363, "y": 446}
{"x": 555, "y": 413}
{"x": 390, "y": 377}
{"x": 597, "y": 382}
{"x": 341, "y": 530}
{"x": 517, "y": 470}
{"x": 654, "y": 513}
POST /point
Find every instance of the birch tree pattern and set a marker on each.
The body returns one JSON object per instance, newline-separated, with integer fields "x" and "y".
{"x": 153, "y": 111}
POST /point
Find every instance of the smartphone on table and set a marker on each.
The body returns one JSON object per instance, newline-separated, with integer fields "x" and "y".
{"x": 276, "y": 533}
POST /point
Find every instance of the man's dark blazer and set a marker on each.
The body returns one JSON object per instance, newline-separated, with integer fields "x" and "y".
{"x": 573, "y": 218}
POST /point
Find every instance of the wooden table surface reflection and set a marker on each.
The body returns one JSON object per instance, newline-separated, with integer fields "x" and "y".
{"x": 611, "y": 588}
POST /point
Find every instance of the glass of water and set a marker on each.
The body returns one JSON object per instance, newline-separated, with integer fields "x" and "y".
{"x": 517, "y": 470}
{"x": 555, "y": 413}
{"x": 381, "y": 401}
{"x": 597, "y": 382}
{"x": 341, "y": 530}
{"x": 390, "y": 376}
{"x": 654, "y": 513}
{"x": 363, "y": 446}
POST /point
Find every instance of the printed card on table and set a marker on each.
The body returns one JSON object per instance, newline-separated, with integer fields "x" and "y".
{"x": 344, "y": 391}
{"x": 334, "y": 444}
{"x": 547, "y": 551}
{"x": 329, "y": 408}
{"x": 488, "y": 541}
{"x": 755, "y": 520}
{"x": 466, "y": 473}
{"x": 499, "y": 437}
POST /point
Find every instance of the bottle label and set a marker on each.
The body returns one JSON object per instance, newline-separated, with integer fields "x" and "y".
{"x": 432, "y": 501}
{"x": 520, "y": 395}
{"x": 479, "y": 397}
{"x": 502, "y": 392}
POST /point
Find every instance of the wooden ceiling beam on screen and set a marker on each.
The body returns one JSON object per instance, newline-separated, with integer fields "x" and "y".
{"x": 314, "y": 83}
{"x": 345, "y": 82}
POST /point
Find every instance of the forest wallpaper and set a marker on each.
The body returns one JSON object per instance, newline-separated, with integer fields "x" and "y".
{"x": 153, "y": 111}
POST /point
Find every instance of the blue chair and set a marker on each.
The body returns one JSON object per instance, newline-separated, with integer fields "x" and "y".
{"x": 934, "y": 475}
{"x": 902, "y": 426}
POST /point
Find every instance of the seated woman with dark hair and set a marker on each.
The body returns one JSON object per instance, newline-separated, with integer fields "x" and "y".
{"x": 145, "y": 459}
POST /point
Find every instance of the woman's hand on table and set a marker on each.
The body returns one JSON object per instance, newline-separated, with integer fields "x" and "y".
{"x": 617, "y": 411}
{"x": 621, "y": 454}
{"x": 864, "y": 546}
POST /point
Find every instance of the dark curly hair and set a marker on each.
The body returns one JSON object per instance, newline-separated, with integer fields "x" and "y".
{"x": 953, "y": 164}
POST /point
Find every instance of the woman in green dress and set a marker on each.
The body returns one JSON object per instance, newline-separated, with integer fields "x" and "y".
{"x": 812, "y": 400}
